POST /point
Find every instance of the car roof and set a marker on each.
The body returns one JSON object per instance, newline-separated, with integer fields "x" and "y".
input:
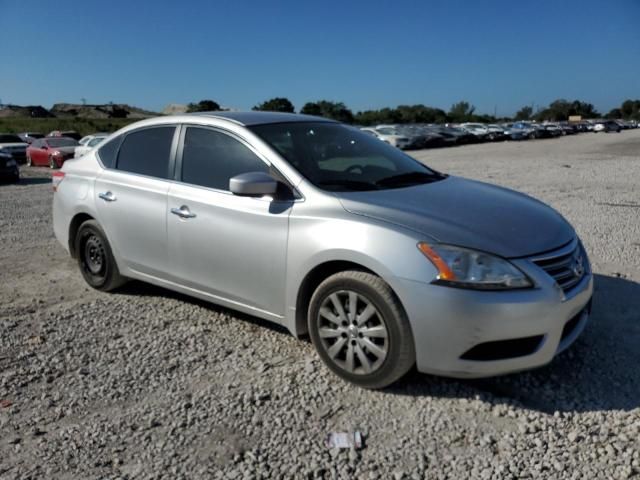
{"x": 260, "y": 118}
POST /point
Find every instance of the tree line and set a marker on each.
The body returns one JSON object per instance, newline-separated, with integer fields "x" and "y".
{"x": 463, "y": 111}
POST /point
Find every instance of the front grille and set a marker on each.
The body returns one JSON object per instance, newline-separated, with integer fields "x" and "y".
{"x": 567, "y": 268}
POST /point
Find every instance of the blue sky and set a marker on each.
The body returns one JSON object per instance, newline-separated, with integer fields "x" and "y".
{"x": 494, "y": 53}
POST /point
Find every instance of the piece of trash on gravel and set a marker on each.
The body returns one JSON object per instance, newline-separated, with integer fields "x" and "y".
{"x": 5, "y": 403}
{"x": 344, "y": 440}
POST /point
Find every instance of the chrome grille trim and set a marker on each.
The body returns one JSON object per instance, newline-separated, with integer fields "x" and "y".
{"x": 567, "y": 266}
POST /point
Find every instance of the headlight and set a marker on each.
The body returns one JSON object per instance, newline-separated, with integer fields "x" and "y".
{"x": 464, "y": 268}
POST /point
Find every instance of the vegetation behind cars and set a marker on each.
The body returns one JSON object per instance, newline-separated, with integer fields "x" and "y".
{"x": 84, "y": 126}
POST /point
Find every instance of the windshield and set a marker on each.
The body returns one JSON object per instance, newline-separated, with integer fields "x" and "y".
{"x": 340, "y": 158}
{"x": 62, "y": 142}
{"x": 94, "y": 141}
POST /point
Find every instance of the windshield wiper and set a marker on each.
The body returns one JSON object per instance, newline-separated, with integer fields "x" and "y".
{"x": 410, "y": 178}
{"x": 349, "y": 184}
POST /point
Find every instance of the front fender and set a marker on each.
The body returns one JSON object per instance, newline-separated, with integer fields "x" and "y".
{"x": 387, "y": 250}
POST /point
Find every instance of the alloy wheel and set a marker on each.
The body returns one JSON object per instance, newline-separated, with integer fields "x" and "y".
{"x": 352, "y": 332}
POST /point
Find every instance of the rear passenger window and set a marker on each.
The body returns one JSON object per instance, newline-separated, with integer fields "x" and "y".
{"x": 108, "y": 152}
{"x": 146, "y": 152}
{"x": 211, "y": 158}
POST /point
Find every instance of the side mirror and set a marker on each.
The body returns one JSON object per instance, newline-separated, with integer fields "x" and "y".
{"x": 44, "y": 147}
{"x": 253, "y": 184}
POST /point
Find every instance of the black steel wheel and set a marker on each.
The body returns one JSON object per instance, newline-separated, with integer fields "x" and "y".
{"x": 95, "y": 259}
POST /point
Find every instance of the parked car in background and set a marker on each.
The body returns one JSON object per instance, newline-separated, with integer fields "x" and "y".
{"x": 14, "y": 146}
{"x": 67, "y": 133}
{"x": 87, "y": 138}
{"x": 525, "y": 130}
{"x": 496, "y": 132}
{"x": 420, "y": 137}
{"x": 390, "y": 136}
{"x": 29, "y": 137}
{"x": 513, "y": 133}
{"x": 9, "y": 170}
{"x": 567, "y": 129}
{"x": 90, "y": 142}
{"x": 477, "y": 129}
{"x": 553, "y": 129}
{"x": 383, "y": 261}
{"x": 51, "y": 151}
{"x": 607, "y": 126}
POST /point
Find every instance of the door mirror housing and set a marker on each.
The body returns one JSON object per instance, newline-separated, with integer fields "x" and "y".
{"x": 253, "y": 184}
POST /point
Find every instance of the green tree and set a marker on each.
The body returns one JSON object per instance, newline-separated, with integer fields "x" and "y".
{"x": 630, "y": 110}
{"x": 561, "y": 109}
{"x": 278, "y": 104}
{"x": 203, "y": 106}
{"x": 324, "y": 108}
{"x": 524, "y": 113}
{"x": 462, "y": 112}
{"x": 614, "y": 113}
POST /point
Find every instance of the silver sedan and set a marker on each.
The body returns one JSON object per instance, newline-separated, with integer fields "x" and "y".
{"x": 384, "y": 262}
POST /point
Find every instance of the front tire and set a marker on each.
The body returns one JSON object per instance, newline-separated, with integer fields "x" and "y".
{"x": 360, "y": 329}
{"x": 95, "y": 259}
{"x": 52, "y": 163}
{"x": 28, "y": 161}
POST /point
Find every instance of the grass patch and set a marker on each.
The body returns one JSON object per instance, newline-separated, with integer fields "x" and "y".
{"x": 84, "y": 126}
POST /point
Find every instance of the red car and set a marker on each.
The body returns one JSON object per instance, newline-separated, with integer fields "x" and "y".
{"x": 51, "y": 151}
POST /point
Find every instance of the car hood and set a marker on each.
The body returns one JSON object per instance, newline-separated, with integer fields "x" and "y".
{"x": 467, "y": 213}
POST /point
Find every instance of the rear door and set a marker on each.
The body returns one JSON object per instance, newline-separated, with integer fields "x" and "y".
{"x": 233, "y": 247}
{"x": 132, "y": 196}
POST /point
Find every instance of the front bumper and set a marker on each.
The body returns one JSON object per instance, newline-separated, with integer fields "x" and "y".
{"x": 450, "y": 323}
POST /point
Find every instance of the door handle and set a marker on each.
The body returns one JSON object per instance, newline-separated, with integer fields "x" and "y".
{"x": 107, "y": 196}
{"x": 183, "y": 212}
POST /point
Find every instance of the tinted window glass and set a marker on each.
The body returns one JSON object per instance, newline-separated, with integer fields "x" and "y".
{"x": 211, "y": 158}
{"x": 147, "y": 152}
{"x": 10, "y": 139}
{"x": 62, "y": 142}
{"x": 109, "y": 151}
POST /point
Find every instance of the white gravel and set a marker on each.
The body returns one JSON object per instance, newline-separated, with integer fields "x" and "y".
{"x": 145, "y": 383}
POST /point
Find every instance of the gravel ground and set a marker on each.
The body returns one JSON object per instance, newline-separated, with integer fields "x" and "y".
{"x": 146, "y": 383}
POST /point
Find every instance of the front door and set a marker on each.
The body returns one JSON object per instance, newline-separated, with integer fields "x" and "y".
{"x": 229, "y": 246}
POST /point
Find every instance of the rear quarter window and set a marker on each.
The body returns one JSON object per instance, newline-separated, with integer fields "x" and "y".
{"x": 147, "y": 152}
{"x": 109, "y": 152}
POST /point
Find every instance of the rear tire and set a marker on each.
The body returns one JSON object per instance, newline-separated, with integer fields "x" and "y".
{"x": 95, "y": 259}
{"x": 52, "y": 163}
{"x": 28, "y": 161}
{"x": 368, "y": 342}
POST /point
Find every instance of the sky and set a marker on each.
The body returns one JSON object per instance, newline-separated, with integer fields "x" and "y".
{"x": 498, "y": 55}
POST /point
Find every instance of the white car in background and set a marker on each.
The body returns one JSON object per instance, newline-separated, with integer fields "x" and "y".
{"x": 89, "y": 143}
{"x": 477, "y": 129}
{"x": 388, "y": 135}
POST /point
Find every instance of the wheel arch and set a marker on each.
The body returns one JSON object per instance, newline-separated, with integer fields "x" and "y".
{"x": 77, "y": 220}
{"x": 315, "y": 277}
